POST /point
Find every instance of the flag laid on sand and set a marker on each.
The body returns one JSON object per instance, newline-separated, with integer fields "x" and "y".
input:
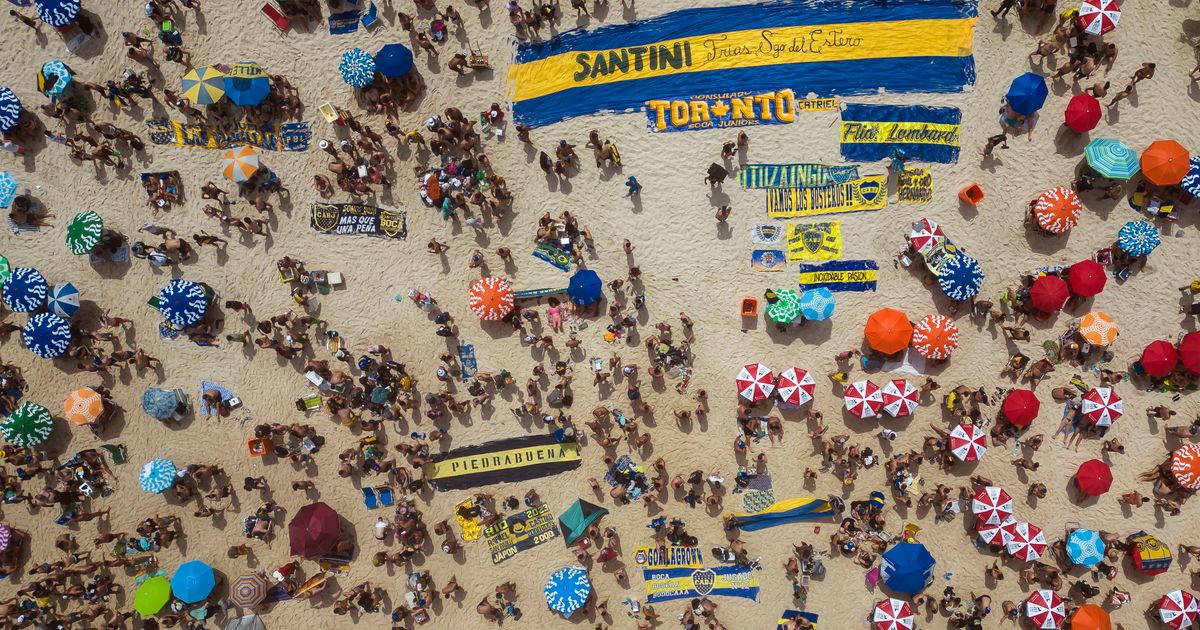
{"x": 814, "y": 241}
{"x": 840, "y": 275}
{"x": 874, "y": 132}
{"x": 794, "y": 175}
{"x": 513, "y": 459}
{"x": 859, "y": 195}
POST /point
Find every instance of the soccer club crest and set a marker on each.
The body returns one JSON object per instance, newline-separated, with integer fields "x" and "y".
{"x": 325, "y": 217}
{"x": 869, "y": 190}
{"x": 703, "y": 580}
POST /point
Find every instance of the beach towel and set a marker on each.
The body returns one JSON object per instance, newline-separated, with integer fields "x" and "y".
{"x": 120, "y": 256}
{"x": 344, "y": 22}
{"x": 768, "y": 233}
{"x": 205, "y": 408}
{"x": 553, "y": 255}
{"x": 527, "y": 294}
{"x": 470, "y": 526}
{"x": 768, "y": 260}
{"x": 789, "y": 615}
{"x": 794, "y": 175}
{"x": 18, "y": 229}
{"x": 759, "y": 495}
{"x": 204, "y": 340}
{"x": 466, "y": 360}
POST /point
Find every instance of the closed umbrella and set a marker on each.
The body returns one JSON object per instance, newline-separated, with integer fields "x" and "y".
{"x": 1097, "y": 17}
{"x": 394, "y": 60}
{"x": 5, "y": 270}
{"x": 1185, "y": 466}
{"x": 786, "y": 307}
{"x": 30, "y": 425}
{"x": 83, "y": 232}
{"x": 961, "y": 277}
{"x": 1191, "y": 181}
{"x": 892, "y": 614}
{"x": 248, "y": 590}
{"x": 585, "y": 287}
{"x": 157, "y": 475}
{"x": 935, "y": 336}
{"x": 1090, "y": 617}
{"x": 568, "y": 590}
{"x": 239, "y": 164}
{"x": 203, "y": 86}
{"x": 183, "y": 302}
{"x": 900, "y": 398}
{"x": 491, "y": 298}
{"x": 795, "y": 387}
{"x": 54, "y": 78}
{"x": 25, "y": 290}
{"x": 1179, "y": 609}
{"x": 1085, "y": 547}
{"x": 1028, "y": 543}
{"x": 863, "y": 399}
{"x": 1046, "y": 609}
{"x": 357, "y": 68}
{"x": 817, "y": 304}
{"x": 1189, "y": 352}
{"x": 1102, "y": 406}
{"x": 991, "y": 505}
{"x": 314, "y": 530}
{"x": 1082, "y": 113}
{"x": 1165, "y": 162}
{"x": 1159, "y": 358}
{"x": 247, "y": 84}
{"x": 5, "y": 537}
{"x": 1098, "y": 328}
{"x": 1138, "y": 238}
{"x": 47, "y": 335}
{"x": 907, "y": 568}
{"x": 193, "y": 581}
{"x": 1086, "y": 278}
{"x": 10, "y": 109}
{"x": 83, "y": 406}
{"x": 1020, "y": 407}
{"x": 888, "y": 331}
{"x": 1027, "y": 93}
{"x": 64, "y": 300}
{"x": 755, "y": 382}
{"x": 152, "y": 595}
{"x": 159, "y": 403}
{"x": 1111, "y": 158}
{"x": 967, "y": 442}
{"x": 1057, "y": 210}
{"x": 1049, "y": 293}
{"x": 1094, "y": 477}
{"x": 8, "y": 189}
{"x": 246, "y": 622}
{"x": 926, "y": 236}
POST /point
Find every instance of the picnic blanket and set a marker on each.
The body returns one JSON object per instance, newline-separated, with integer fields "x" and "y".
{"x": 344, "y": 22}
{"x": 759, "y": 494}
{"x": 466, "y": 360}
{"x": 553, "y": 255}
{"x": 207, "y": 409}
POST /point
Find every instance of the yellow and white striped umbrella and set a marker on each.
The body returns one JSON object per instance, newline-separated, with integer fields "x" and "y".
{"x": 203, "y": 86}
{"x": 240, "y": 164}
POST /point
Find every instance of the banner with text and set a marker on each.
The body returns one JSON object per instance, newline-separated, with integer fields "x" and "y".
{"x": 914, "y": 185}
{"x": 356, "y": 218}
{"x": 859, "y": 195}
{"x": 513, "y": 459}
{"x": 840, "y": 275}
{"x": 718, "y": 111}
{"x": 519, "y": 532}
{"x": 876, "y": 132}
{"x": 289, "y": 136}
{"x": 666, "y": 584}
{"x": 794, "y": 175}
{"x": 814, "y": 241}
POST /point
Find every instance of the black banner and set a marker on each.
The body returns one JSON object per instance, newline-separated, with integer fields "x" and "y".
{"x": 356, "y": 218}
{"x": 519, "y": 532}
{"x": 513, "y": 459}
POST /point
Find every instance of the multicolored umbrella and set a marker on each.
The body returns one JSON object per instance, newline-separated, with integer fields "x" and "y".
{"x": 30, "y": 425}
{"x": 900, "y": 398}
{"x": 1165, "y": 162}
{"x": 248, "y": 590}
{"x": 10, "y": 109}
{"x": 314, "y": 530}
{"x": 968, "y": 442}
{"x": 5, "y": 270}
{"x": 203, "y": 86}
{"x": 961, "y": 277}
{"x": 25, "y": 290}
{"x": 83, "y": 406}
{"x": 567, "y": 590}
{"x": 755, "y": 382}
{"x": 1085, "y": 547}
{"x": 1097, "y": 17}
{"x": 491, "y": 298}
{"x": 5, "y": 537}
{"x": 1189, "y": 352}
{"x": 357, "y": 68}
{"x": 183, "y": 302}
{"x": 1082, "y": 113}
{"x": 817, "y": 304}
{"x": 1020, "y": 407}
{"x": 47, "y": 335}
{"x": 991, "y": 506}
{"x": 1049, "y": 293}
{"x": 58, "y": 13}
{"x": 785, "y": 308}
{"x": 795, "y": 386}
{"x": 193, "y": 581}
{"x": 152, "y": 595}
{"x": 1028, "y": 543}
{"x": 892, "y": 614}
{"x": 394, "y": 60}
{"x": 1027, "y": 93}
{"x": 64, "y": 300}
{"x": 585, "y": 287}
{"x": 1149, "y": 554}
{"x": 1087, "y": 278}
{"x": 1138, "y": 238}
{"x": 83, "y": 232}
{"x": 239, "y": 164}
{"x": 1093, "y": 477}
{"x": 159, "y": 403}
{"x": 1179, "y": 609}
{"x": 1159, "y": 358}
{"x": 926, "y": 236}
{"x": 1191, "y": 181}
{"x": 935, "y": 336}
{"x": 1098, "y": 328}
{"x": 157, "y": 475}
{"x": 8, "y": 189}
{"x": 1057, "y": 210}
{"x": 1046, "y": 609}
{"x": 247, "y": 84}
{"x": 54, "y": 78}
{"x": 997, "y": 535}
{"x": 1185, "y": 466}
{"x": 863, "y": 399}
{"x": 1111, "y": 158}
{"x": 888, "y": 331}
{"x": 1102, "y": 406}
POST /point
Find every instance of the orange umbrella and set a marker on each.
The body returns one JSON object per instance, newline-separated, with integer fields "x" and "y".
{"x": 1165, "y": 163}
{"x": 1185, "y": 465}
{"x": 491, "y": 298}
{"x": 83, "y": 406}
{"x": 935, "y": 336}
{"x": 1057, "y": 210}
{"x": 1098, "y": 328}
{"x": 1090, "y": 617}
{"x": 888, "y": 331}
{"x": 239, "y": 164}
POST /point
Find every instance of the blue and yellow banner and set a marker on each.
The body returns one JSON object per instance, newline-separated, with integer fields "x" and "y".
{"x": 288, "y": 137}
{"x": 814, "y": 241}
{"x": 683, "y": 582}
{"x": 841, "y": 275}
{"x": 859, "y": 195}
{"x": 874, "y": 132}
{"x": 719, "y": 111}
{"x": 794, "y": 175}
{"x": 781, "y": 513}
{"x": 822, "y": 47}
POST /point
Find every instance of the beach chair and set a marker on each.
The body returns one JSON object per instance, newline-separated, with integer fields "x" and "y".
{"x": 370, "y": 499}
{"x": 385, "y": 496}
{"x": 181, "y": 398}
{"x": 276, "y": 16}
{"x": 371, "y": 17}
{"x": 477, "y": 60}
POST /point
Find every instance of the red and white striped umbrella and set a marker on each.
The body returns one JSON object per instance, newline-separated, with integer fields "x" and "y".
{"x": 1097, "y": 17}
{"x": 1046, "y": 609}
{"x": 998, "y": 535}
{"x": 1179, "y": 609}
{"x": 795, "y": 386}
{"x": 755, "y": 382}
{"x": 967, "y": 442}
{"x": 893, "y": 614}
{"x": 926, "y": 235}
{"x": 1102, "y": 406}
{"x": 900, "y": 398}
{"x": 991, "y": 506}
{"x": 1028, "y": 542}
{"x": 863, "y": 399}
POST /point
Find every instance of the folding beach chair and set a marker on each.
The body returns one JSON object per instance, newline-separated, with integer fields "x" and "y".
{"x": 276, "y": 16}
{"x": 385, "y": 496}
{"x": 371, "y": 17}
{"x": 369, "y": 498}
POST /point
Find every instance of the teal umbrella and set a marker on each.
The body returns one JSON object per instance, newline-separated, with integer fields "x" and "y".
{"x": 1111, "y": 158}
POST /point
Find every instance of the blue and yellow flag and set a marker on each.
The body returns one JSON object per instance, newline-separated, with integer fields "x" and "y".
{"x": 781, "y": 513}
{"x": 875, "y": 132}
{"x": 841, "y": 275}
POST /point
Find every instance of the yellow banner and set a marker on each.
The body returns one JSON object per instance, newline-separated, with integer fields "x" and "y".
{"x": 816, "y": 104}
{"x": 674, "y": 557}
{"x": 858, "y": 195}
{"x": 502, "y": 460}
{"x": 848, "y": 276}
{"x": 814, "y": 241}
{"x": 914, "y": 185}
{"x": 858, "y": 131}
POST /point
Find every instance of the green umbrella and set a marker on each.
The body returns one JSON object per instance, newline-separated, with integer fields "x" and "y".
{"x": 30, "y": 424}
{"x": 786, "y": 308}
{"x": 83, "y": 233}
{"x": 5, "y": 270}
{"x": 152, "y": 596}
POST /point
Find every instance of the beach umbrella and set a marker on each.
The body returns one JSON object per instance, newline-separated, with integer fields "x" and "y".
{"x": 183, "y": 302}
{"x": 247, "y": 84}
{"x": 1185, "y": 466}
{"x": 193, "y": 581}
{"x": 1098, "y": 327}
{"x": 968, "y": 442}
{"x": 157, "y": 475}
{"x": 357, "y": 68}
{"x": 1090, "y": 617}
{"x": 491, "y": 298}
{"x": 1138, "y": 238}
{"x": 58, "y": 13}
{"x": 997, "y": 535}
{"x": 1020, "y": 407}
{"x": 248, "y": 590}
{"x": 935, "y": 336}
{"x": 567, "y": 590}
{"x": 1082, "y": 113}
{"x": 54, "y": 78}
{"x": 991, "y": 506}
{"x": 1085, "y": 547}
{"x": 1102, "y": 406}
{"x": 1093, "y": 477}
{"x": 1027, "y": 93}
{"x": 755, "y": 382}
{"x": 1057, "y": 210}
{"x": 1191, "y": 181}
{"x": 1046, "y": 609}
{"x": 1149, "y": 554}
{"x": 158, "y": 403}
{"x": 1189, "y": 352}
{"x": 8, "y": 189}
{"x": 203, "y": 86}
{"x": 394, "y": 60}
{"x": 817, "y": 304}
{"x": 83, "y": 406}
{"x": 1028, "y": 543}
{"x": 900, "y": 398}
{"x": 25, "y": 290}
{"x": 1086, "y": 278}
{"x": 10, "y": 109}
{"x": 892, "y": 614}
{"x": 1049, "y": 293}
{"x": 47, "y": 335}
{"x": 907, "y": 568}
{"x": 961, "y": 277}
{"x": 1165, "y": 162}
{"x": 1097, "y": 17}
{"x": 585, "y": 287}
{"x": 785, "y": 308}
{"x": 1179, "y": 609}
{"x": 863, "y": 399}
{"x": 30, "y": 425}
{"x": 888, "y": 331}
{"x": 794, "y": 386}
{"x": 64, "y": 300}
{"x": 1159, "y": 358}
{"x": 83, "y": 232}
{"x": 239, "y": 164}
{"x": 5, "y": 270}
{"x": 5, "y": 537}
{"x": 1111, "y": 158}
{"x": 314, "y": 530}
{"x": 926, "y": 236}
{"x": 152, "y": 595}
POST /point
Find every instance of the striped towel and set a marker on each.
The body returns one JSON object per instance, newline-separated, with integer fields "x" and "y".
{"x": 205, "y": 408}
{"x": 18, "y": 228}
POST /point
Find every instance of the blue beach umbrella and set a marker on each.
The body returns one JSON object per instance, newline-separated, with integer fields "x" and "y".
{"x": 54, "y": 78}
{"x": 584, "y": 287}
{"x": 247, "y": 84}
{"x": 357, "y": 67}
{"x": 1191, "y": 181}
{"x": 907, "y": 568}
{"x": 58, "y": 13}
{"x": 64, "y": 300}
{"x": 157, "y": 475}
{"x": 8, "y": 189}
{"x": 183, "y": 302}
{"x": 1112, "y": 158}
{"x": 961, "y": 277}
{"x": 10, "y": 109}
{"x": 394, "y": 60}
{"x": 1085, "y": 548}
{"x": 25, "y": 290}
{"x": 817, "y": 304}
{"x": 1027, "y": 93}
{"x": 159, "y": 403}
{"x": 1138, "y": 238}
{"x": 567, "y": 590}
{"x": 193, "y": 580}
{"x": 46, "y": 335}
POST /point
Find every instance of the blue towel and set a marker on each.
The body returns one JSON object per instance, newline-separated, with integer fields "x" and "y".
{"x": 553, "y": 255}
{"x": 344, "y": 22}
{"x": 466, "y": 360}
{"x": 207, "y": 385}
